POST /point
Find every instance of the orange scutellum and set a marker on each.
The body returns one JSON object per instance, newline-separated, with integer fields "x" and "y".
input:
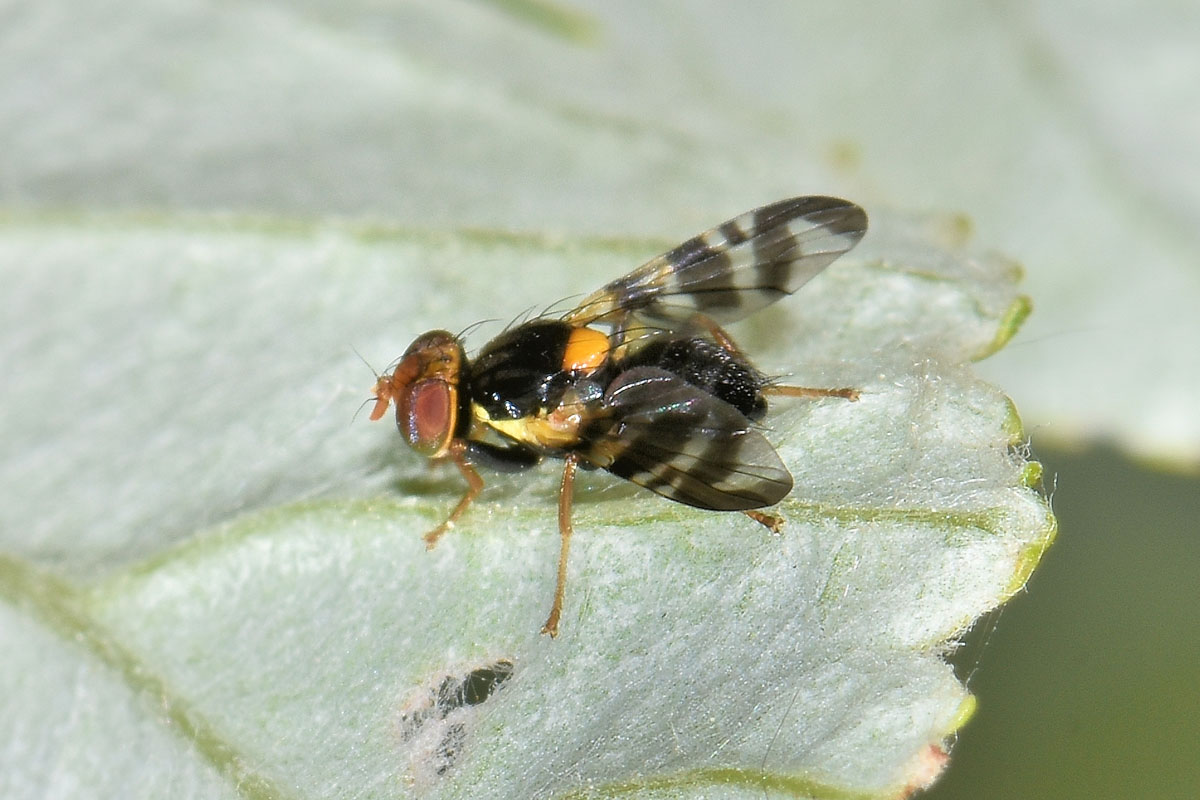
{"x": 587, "y": 349}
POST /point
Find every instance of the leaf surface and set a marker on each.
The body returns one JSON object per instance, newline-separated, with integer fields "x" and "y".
{"x": 204, "y": 554}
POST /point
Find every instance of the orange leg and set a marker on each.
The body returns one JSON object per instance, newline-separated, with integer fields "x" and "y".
{"x": 771, "y": 522}
{"x": 474, "y": 487}
{"x": 804, "y": 391}
{"x": 726, "y": 342}
{"x": 718, "y": 333}
{"x": 565, "y": 491}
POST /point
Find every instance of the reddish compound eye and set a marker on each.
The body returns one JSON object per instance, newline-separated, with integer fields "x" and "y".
{"x": 429, "y": 416}
{"x": 424, "y": 387}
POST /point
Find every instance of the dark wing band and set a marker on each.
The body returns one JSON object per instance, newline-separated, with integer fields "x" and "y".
{"x": 686, "y": 445}
{"x": 737, "y": 267}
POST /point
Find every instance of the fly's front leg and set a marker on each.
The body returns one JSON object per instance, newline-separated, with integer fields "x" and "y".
{"x": 463, "y": 453}
{"x": 458, "y": 454}
{"x": 565, "y": 491}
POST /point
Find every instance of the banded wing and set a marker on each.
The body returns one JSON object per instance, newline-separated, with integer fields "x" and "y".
{"x": 686, "y": 445}
{"x": 736, "y": 268}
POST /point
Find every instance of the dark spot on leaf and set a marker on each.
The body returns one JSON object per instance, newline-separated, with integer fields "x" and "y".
{"x": 448, "y": 749}
{"x": 436, "y": 719}
{"x": 480, "y": 684}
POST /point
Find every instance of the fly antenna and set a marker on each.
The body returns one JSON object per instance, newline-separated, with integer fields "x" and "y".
{"x": 368, "y": 363}
{"x": 378, "y": 380}
{"x": 358, "y": 410}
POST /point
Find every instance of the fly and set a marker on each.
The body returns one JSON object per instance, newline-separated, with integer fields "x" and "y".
{"x": 639, "y": 379}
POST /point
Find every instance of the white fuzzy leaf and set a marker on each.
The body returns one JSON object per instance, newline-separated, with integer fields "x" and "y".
{"x": 245, "y": 588}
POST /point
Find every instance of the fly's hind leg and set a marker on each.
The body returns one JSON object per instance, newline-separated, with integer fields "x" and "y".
{"x": 807, "y": 391}
{"x": 727, "y": 343}
{"x": 565, "y": 490}
{"x": 771, "y": 522}
{"x": 718, "y": 333}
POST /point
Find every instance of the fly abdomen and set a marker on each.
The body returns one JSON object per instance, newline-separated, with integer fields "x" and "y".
{"x": 709, "y": 367}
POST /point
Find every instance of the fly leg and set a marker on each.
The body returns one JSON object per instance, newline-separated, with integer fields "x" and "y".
{"x": 771, "y": 522}
{"x": 565, "y": 491}
{"x": 806, "y": 391}
{"x": 458, "y": 451}
{"x": 727, "y": 343}
{"x": 717, "y": 333}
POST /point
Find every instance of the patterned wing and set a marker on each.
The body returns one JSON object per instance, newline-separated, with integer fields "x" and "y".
{"x": 736, "y": 268}
{"x": 674, "y": 439}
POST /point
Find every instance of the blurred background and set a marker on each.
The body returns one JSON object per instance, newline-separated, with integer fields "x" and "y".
{"x": 1063, "y": 134}
{"x": 1087, "y": 682}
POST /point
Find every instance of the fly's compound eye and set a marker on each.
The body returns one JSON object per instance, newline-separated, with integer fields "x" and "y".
{"x": 428, "y": 416}
{"x": 424, "y": 387}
